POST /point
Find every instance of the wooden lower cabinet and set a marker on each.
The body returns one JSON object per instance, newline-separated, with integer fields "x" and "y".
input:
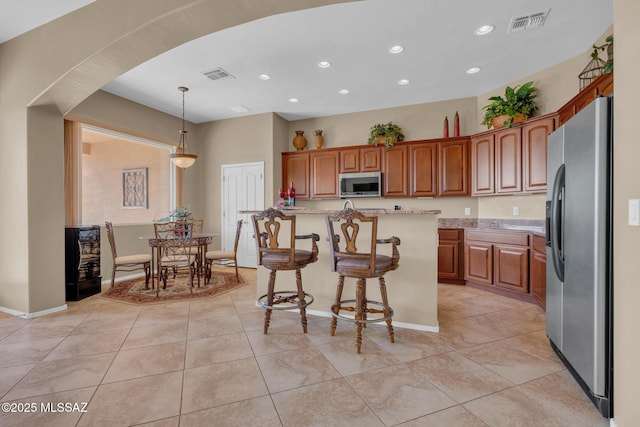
{"x": 511, "y": 268}
{"x": 478, "y": 262}
{"x": 451, "y": 256}
{"x": 507, "y": 262}
{"x": 538, "y": 271}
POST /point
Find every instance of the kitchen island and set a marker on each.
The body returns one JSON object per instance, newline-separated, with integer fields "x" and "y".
{"x": 412, "y": 288}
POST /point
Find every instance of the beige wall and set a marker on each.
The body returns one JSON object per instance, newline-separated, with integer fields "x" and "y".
{"x": 102, "y": 192}
{"x": 421, "y": 121}
{"x": 626, "y": 239}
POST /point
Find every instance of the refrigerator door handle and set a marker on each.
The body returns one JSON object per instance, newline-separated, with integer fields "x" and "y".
{"x": 555, "y": 232}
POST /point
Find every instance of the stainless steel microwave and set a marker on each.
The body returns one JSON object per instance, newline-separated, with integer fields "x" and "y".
{"x": 365, "y": 184}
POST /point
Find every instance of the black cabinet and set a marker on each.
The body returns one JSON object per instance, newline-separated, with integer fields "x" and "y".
{"x": 82, "y": 262}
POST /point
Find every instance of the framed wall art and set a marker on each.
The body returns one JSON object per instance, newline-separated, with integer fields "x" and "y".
{"x": 135, "y": 188}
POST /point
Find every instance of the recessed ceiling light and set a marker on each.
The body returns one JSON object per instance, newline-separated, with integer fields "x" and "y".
{"x": 293, "y": 100}
{"x": 264, "y": 76}
{"x": 473, "y": 70}
{"x": 343, "y": 91}
{"x": 484, "y": 29}
{"x": 324, "y": 64}
{"x": 403, "y": 82}
{"x": 396, "y": 49}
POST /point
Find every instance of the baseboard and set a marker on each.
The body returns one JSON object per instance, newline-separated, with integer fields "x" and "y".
{"x": 35, "y": 314}
{"x": 402, "y": 325}
{"x": 612, "y": 423}
{"x": 123, "y": 278}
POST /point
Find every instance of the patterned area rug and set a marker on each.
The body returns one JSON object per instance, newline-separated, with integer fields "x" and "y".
{"x": 133, "y": 291}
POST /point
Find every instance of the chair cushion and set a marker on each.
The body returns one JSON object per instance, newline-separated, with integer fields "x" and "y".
{"x": 219, "y": 255}
{"x": 301, "y": 257}
{"x": 383, "y": 262}
{"x": 133, "y": 259}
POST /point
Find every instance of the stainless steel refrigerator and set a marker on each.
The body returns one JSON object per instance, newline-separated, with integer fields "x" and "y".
{"x": 579, "y": 237}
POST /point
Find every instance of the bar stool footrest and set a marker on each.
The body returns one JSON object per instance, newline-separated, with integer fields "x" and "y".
{"x": 353, "y": 309}
{"x": 288, "y": 298}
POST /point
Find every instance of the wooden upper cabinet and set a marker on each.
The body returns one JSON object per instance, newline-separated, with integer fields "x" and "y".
{"x": 423, "y": 160}
{"x": 395, "y": 171}
{"x": 360, "y": 160}
{"x": 295, "y": 168}
{"x": 371, "y": 159}
{"x": 508, "y": 160}
{"x": 324, "y": 174}
{"x": 350, "y": 160}
{"x": 603, "y": 85}
{"x": 534, "y": 153}
{"x": 453, "y": 168}
{"x": 482, "y": 165}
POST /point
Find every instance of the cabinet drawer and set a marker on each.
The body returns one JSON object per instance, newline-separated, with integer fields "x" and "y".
{"x": 449, "y": 234}
{"x": 499, "y": 236}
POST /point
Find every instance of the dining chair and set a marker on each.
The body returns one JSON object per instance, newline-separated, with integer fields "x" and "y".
{"x": 275, "y": 235}
{"x": 223, "y": 257}
{"x": 348, "y": 261}
{"x": 176, "y": 251}
{"x": 127, "y": 262}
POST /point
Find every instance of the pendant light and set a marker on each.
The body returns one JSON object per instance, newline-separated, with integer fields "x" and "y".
{"x": 181, "y": 158}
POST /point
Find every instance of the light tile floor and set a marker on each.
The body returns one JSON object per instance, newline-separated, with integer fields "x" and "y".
{"x": 207, "y": 363}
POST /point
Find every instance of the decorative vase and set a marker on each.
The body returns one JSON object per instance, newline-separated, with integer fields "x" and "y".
{"x": 381, "y": 139}
{"x": 445, "y": 129}
{"x": 318, "y": 139}
{"x": 299, "y": 141}
{"x": 456, "y": 125}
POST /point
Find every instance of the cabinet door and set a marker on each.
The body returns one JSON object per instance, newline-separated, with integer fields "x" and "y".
{"x": 295, "y": 168}
{"x": 482, "y": 165}
{"x": 450, "y": 261}
{"x": 511, "y": 268}
{"x": 534, "y": 154}
{"x": 423, "y": 168}
{"x": 350, "y": 160}
{"x": 508, "y": 164}
{"x": 396, "y": 176}
{"x": 370, "y": 159}
{"x": 324, "y": 174}
{"x": 453, "y": 163}
{"x": 478, "y": 262}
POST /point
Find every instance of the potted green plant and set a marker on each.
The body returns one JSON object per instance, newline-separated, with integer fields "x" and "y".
{"x": 517, "y": 105}
{"x": 388, "y": 134}
{"x": 608, "y": 46}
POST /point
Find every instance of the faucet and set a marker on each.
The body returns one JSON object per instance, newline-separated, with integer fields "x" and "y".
{"x": 348, "y": 202}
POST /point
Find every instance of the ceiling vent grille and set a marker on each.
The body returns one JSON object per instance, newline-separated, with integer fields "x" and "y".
{"x": 528, "y": 22}
{"x": 218, "y": 74}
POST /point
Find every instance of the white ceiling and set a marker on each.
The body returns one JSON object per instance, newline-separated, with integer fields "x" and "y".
{"x": 438, "y": 37}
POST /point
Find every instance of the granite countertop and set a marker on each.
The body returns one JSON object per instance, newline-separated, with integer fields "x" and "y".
{"x": 531, "y": 226}
{"x": 366, "y": 211}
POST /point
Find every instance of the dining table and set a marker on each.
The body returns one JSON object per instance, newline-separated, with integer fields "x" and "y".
{"x": 201, "y": 239}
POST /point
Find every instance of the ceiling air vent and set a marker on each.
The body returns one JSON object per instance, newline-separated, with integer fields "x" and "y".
{"x": 528, "y": 22}
{"x": 218, "y": 74}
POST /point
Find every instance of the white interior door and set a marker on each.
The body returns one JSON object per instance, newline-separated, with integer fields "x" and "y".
{"x": 242, "y": 189}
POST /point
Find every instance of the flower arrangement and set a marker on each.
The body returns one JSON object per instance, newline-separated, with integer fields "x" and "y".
{"x": 182, "y": 213}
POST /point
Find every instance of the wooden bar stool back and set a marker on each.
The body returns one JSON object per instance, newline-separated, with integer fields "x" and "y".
{"x": 348, "y": 261}
{"x": 276, "y": 238}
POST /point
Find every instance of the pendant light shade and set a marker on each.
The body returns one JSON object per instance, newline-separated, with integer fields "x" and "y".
{"x": 181, "y": 158}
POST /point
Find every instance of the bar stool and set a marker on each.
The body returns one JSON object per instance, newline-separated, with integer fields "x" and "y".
{"x": 347, "y": 261}
{"x": 269, "y": 226}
